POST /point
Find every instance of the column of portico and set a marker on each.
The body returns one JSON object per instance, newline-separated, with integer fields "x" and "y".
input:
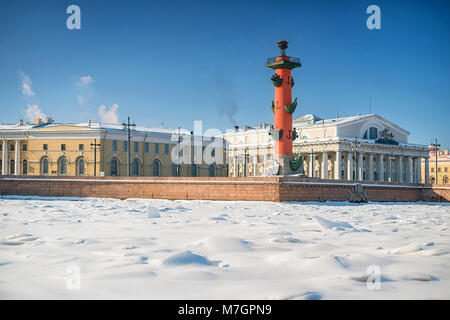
{"x": 255, "y": 165}
{"x": 349, "y": 166}
{"x": 337, "y": 166}
{"x": 5, "y": 156}
{"x": 400, "y": 169}
{"x": 419, "y": 170}
{"x": 409, "y": 171}
{"x": 360, "y": 172}
{"x": 381, "y": 167}
{"x": 16, "y": 158}
{"x": 325, "y": 165}
{"x": 414, "y": 171}
{"x": 311, "y": 164}
{"x": 389, "y": 168}
{"x": 427, "y": 170}
{"x": 370, "y": 162}
{"x": 235, "y": 171}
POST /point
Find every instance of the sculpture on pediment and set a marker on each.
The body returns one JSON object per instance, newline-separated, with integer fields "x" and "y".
{"x": 385, "y": 134}
{"x": 386, "y": 137}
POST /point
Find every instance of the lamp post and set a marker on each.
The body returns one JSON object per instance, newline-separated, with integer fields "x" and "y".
{"x": 355, "y": 145}
{"x": 180, "y": 139}
{"x": 391, "y": 167}
{"x": 128, "y": 126}
{"x": 245, "y": 161}
{"x": 95, "y": 145}
{"x": 435, "y": 146}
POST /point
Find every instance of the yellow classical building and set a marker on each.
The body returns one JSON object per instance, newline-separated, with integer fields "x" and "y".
{"x": 443, "y": 167}
{"x": 88, "y": 149}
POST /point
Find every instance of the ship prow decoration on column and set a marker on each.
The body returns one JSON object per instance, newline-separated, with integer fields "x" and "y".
{"x": 283, "y": 107}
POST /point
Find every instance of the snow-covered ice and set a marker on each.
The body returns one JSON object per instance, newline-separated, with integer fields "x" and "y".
{"x": 88, "y": 248}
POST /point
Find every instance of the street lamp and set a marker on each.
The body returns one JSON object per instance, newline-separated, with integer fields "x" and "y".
{"x": 435, "y": 146}
{"x": 245, "y": 161}
{"x": 128, "y": 126}
{"x": 391, "y": 167}
{"x": 95, "y": 145}
{"x": 355, "y": 145}
{"x": 180, "y": 139}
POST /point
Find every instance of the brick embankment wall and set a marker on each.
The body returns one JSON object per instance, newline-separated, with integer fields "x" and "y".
{"x": 262, "y": 189}
{"x": 436, "y": 193}
{"x": 310, "y": 189}
{"x": 220, "y": 188}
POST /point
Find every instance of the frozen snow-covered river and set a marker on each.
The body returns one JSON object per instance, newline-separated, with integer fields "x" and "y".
{"x": 160, "y": 249}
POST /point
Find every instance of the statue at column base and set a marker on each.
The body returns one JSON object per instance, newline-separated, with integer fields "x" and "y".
{"x": 290, "y": 165}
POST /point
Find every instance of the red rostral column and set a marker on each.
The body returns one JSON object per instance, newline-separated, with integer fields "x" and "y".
{"x": 283, "y": 107}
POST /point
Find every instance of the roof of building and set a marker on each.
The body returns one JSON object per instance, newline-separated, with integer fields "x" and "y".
{"x": 87, "y": 126}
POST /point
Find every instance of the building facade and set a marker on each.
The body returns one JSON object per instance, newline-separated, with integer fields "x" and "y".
{"x": 443, "y": 167}
{"x": 363, "y": 147}
{"x": 68, "y": 149}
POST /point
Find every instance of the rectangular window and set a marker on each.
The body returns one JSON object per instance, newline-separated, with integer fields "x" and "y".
{"x": 24, "y": 147}
{"x": 439, "y": 169}
{"x": 166, "y": 149}
{"x": 114, "y": 145}
{"x": 135, "y": 147}
{"x": 125, "y": 146}
{"x": 156, "y": 148}
{"x": 213, "y": 152}
{"x": 147, "y": 147}
{"x": 1, "y": 147}
{"x": 11, "y": 147}
{"x": 45, "y": 146}
{"x": 445, "y": 169}
{"x": 81, "y": 147}
{"x": 63, "y": 147}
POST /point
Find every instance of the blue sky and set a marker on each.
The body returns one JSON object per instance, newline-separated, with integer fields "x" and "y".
{"x": 181, "y": 61}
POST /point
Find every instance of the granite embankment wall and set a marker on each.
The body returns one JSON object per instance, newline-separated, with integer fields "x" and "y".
{"x": 250, "y": 188}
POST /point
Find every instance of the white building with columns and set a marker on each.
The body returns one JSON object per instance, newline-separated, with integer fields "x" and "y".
{"x": 361, "y": 148}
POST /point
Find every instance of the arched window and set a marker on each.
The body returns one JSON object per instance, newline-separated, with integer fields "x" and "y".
{"x": 114, "y": 167}
{"x": 194, "y": 170}
{"x": 155, "y": 168}
{"x": 135, "y": 167}
{"x": 432, "y": 180}
{"x": 212, "y": 170}
{"x": 11, "y": 166}
{"x": 24, "y": 167}
{"x": 81, "y": 170}
{"x": 445, "y": 179}
{"x": 63, "y": 166}
{"x": 371, "y": 133}
{"x": 44, "y": 166}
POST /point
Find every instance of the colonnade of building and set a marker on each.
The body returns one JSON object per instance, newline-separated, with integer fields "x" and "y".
{"x": 339, "y": 165}
{"x": 8, "y": 166}
{"x": 365, "y": 166}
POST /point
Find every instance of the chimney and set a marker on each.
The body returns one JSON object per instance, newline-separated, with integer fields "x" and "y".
{"x": 48, "y": 120}
{"x": 236, "y": 128}
{"x": 38, "y": 121}
{"x": 89, "y": 123}
{"x": 21, "y": 122}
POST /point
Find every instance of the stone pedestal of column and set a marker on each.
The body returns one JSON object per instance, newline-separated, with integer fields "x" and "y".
{"x": 285, "y": 168}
